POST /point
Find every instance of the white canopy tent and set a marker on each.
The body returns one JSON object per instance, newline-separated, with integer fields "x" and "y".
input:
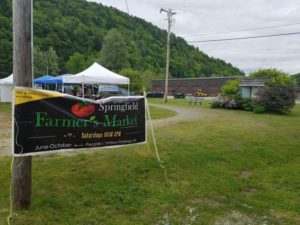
{"x": 6, "y": 85}
{"x": 96, "y": 74}
{"x": 7, "y": 80}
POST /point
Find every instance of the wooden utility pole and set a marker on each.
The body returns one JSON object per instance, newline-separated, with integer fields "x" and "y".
{"x": 170, "y": 14}
{"x": 22, "y": 70}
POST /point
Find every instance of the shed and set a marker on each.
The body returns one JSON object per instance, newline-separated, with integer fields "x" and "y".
{"x": 249, "y": 86}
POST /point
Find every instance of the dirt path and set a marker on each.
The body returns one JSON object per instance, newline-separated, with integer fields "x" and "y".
{"x": 183, "y": 114}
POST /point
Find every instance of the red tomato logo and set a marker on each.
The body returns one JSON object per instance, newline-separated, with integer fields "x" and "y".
{"x": 83, "y": 109}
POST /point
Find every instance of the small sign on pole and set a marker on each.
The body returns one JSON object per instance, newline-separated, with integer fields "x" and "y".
{"x": 47, "y": 121}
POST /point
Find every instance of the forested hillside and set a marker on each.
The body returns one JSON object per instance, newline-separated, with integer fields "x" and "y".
{"x": 70, "y": 34}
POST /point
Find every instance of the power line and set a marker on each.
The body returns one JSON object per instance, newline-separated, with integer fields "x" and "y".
{"x": 127, "y": 7}
{"x": 131, "y": 24}
{"x": 130, "y": 20}
{"x": 250, "y": 29}
{"x": 244, "y": 38}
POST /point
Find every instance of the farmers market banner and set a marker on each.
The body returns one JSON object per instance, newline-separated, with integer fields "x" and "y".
{"x": 46, "y": 121}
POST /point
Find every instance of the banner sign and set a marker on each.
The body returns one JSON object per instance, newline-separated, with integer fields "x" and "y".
{"x": 46, "y": 121}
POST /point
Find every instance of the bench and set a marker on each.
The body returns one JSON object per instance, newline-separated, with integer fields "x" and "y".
{"x": 194, "y": 99}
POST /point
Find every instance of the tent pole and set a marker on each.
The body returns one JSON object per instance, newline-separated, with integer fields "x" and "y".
{"x": 82, "y": 89}
{"x": 93, "y": 93}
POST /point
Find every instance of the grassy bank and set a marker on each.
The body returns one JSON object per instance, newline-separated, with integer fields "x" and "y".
{"x": 228, "y": 167}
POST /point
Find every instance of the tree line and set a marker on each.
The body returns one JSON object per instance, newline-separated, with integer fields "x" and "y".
{"x": 70, "y": 35}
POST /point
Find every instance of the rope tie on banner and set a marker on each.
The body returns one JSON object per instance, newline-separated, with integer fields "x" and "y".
{"x": 22, "y": 148}
{"x": 161, "y": 163}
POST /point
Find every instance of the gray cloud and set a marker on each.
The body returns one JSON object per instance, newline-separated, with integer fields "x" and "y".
{"x": 197, "y": 17}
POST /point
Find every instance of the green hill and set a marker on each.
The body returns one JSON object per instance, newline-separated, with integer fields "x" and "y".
{"x": 77, "y": 29}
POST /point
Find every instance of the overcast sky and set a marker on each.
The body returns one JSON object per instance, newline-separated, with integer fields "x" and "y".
{"x": 201, "y": 19}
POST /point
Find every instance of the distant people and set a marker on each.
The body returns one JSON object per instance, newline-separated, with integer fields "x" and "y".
{"x": 79, "y": 92}
{"x": 74, "y": 91}
{"x": 88, "y": 92}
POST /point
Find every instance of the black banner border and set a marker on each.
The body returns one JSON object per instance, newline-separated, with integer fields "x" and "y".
{"x": 59, "y": 151}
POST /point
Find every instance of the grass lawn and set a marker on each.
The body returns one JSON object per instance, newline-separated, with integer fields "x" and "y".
{"x": 158, "y": 113}
{"x": 229, "y": 167}
{"x": 5, "y": 107}
{"x": 180, "y": 102}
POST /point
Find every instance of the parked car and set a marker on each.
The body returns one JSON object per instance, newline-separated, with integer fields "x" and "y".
{"x": 155, "y": 95}
{"x": 179, "y": 95}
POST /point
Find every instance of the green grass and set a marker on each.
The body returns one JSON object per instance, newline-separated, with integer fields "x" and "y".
{"x": 228, "y": 165}
{"x": 180, "y": 102}
{"x": 158, "y": 113}
{"x": 5, "y": 107}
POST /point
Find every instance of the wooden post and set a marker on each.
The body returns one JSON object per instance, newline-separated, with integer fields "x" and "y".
{"x": 170, "y": 14}
{"x": 168, "y": 56}
{"x": 22, "y": 70}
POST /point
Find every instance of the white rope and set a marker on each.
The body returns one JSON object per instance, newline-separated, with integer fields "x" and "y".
{"x": 154, "y": 139}
{"x": 152, "y": 131}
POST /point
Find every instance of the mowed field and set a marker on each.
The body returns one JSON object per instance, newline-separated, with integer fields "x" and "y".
{"x": 225, "y": 167}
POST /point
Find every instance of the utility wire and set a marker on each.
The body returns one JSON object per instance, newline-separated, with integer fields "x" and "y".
{"x": 127, "y": 7}
{"x": 250, "y": 29}
{"x": 244, "y": 38}
{"x": 130, "y": 20}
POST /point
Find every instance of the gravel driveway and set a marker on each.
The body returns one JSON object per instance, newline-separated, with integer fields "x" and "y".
{"x": 182, "y": 114}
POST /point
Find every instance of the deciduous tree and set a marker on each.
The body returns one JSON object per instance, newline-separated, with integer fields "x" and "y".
{"x": 76, "y": 63}
{"x": 45, "y": 62}
{"x": 114, "y": 53}
{"x": 273, "y": 76}
{"x": 135, "y": 79}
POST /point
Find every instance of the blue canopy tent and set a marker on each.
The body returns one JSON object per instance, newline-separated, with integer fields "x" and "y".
{"x": 43, "y": 79}
{"x": 58, "y": 80}
{"x": 51, "y": 80}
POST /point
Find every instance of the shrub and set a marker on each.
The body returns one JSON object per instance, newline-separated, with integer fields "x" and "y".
{"x": 228, "y": 103}
{"x": 246, "y": 104}
{"x": 276, "y": 98}
{"x": 215, "y": 104}
{"x": 230, "y": 89}
{"x": 259, "y": 109}
{"x": 273, "y": 77}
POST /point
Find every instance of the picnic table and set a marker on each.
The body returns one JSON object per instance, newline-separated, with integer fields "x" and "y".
{"x": 194, "y": 99}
